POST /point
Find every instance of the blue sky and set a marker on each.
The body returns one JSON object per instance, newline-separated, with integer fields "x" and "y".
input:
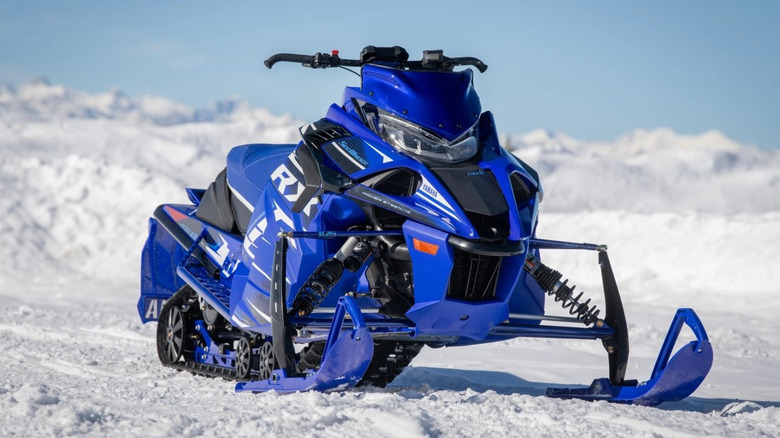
{"x": 594, "y": 70}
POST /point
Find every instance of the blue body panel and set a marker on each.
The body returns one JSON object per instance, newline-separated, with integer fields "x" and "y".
{"x": 245, "y": 163}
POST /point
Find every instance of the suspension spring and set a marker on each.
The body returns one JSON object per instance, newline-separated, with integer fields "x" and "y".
{"x": 550, "y": 281}
{"x": 317, "y": 287}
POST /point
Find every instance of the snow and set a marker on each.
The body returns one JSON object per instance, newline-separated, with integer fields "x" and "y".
{"x": 690, "y": 220}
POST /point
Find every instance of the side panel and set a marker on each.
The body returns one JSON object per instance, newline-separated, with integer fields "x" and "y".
{"x": 273, "y": 214}
{"x": 159, "y": 259}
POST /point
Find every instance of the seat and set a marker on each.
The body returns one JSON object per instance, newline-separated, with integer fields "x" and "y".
{"x": 249, "y": 168}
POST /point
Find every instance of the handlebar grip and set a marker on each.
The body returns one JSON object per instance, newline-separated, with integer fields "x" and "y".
{"x": 468, "y": 60}
{"x": 288, "y": 57}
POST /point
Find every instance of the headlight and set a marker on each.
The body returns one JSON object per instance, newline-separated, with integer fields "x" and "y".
{"x": 408, "y": 137}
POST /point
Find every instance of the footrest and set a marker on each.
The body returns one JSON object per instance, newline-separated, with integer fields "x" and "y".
{"x": 211, "y": 289}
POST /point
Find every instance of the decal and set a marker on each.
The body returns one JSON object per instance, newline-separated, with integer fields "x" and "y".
{"x": 241, "y": 198}
{"x": 348, "y": 154}
{"x": 254, "y": 234}
{"x": 353, "y": 154}
{"x": 153, "y": 306}
{"x": 252, "y": 305}
{"x": 284, "y": 179}
{"x": 238, "y": 321}
{"x": 281, "y": 216}
{"x": 287, "y": 180}
{"x": 430, "y": 194}
{"x": 219, "y": 251}
{"x": 385, "y": 158}
{"x": 376, "y": 198}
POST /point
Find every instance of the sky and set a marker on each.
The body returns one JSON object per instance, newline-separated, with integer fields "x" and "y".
{"x": 594, "y": 70}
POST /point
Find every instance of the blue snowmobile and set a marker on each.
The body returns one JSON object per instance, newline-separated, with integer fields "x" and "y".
{"x": 398, "y": 221}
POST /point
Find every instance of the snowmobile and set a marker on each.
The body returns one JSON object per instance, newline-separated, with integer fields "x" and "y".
{"x": 397, "y": 222}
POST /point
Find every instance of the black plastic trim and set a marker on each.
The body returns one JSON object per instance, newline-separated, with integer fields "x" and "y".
{"x": 488, "y": 248}
{"x": 184, "y": 239}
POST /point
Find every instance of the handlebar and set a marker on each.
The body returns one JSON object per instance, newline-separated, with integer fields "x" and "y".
{"x": 394, "y": 56}
{"x": 318, "y": 60}
{"x": 287, "y": 57}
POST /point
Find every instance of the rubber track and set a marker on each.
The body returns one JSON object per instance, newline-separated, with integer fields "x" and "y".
{"x": 206, "y": 370}
{"x": 390, "y": 358}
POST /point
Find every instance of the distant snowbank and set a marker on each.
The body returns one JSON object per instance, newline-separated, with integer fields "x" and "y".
{"x": 39, "y": 99}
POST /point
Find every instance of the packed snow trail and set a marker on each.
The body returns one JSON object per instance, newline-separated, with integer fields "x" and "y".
{"x": 77, "y": 367}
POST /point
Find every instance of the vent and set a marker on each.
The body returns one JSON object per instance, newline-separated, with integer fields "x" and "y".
{"x": 396, "y": 182}
{"x": 474, "y": 276}
{"x": 490, "y": 227}
{"x": 321, "y": 136}
{"x": 401, "y": 182}
{"x": 520, "y": 190}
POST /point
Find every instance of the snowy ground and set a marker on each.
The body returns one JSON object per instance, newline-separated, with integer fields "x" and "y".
{"x": 79, "y": 175}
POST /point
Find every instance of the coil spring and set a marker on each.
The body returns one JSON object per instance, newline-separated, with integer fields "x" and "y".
{"x": 317, "y": 287}
{"x": 549, "y": 281}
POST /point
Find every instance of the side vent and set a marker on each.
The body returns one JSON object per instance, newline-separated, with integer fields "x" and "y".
{"x": 520, "y": 189}
{"x": 321, "y": 132}
{"x": 398, "y": 182}
{"x": 395, "y": 182}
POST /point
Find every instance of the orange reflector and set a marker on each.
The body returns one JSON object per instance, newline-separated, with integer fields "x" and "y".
{"x": 425, "y": 247}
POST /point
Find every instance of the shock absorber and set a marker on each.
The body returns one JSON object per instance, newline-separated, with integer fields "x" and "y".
{"x": 351, "y": 256}
{"x": 550, "y": 281}
{"x": 317, "y": 287}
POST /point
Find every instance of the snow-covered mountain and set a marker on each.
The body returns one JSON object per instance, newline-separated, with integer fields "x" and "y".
{"x": 39, "y": 99}
{"x": 690, "y": 220}
{"x": 650, "y": 171}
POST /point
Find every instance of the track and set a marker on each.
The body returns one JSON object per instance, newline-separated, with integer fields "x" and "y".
{"x": 390, "y": 357}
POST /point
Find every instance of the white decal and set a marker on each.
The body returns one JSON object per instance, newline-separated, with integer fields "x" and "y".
{"x": 241, "y": 198}
{"x": 153, "y": 311}
{"x": 239, "y": 322}
{"x": 280, "y": 215}
{"x": 253, "y": 235}
{"x": 430, "y": 194}
{"x": 267, "y": 318}
{"x": 286, "y": 179}
{"x": 385, "y": 158}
